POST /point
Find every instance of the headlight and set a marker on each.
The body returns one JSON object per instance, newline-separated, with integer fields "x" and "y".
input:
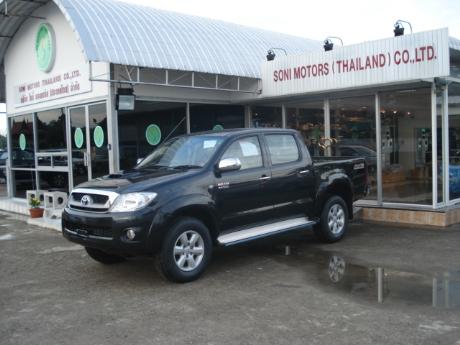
{"x": 132, "y": 201}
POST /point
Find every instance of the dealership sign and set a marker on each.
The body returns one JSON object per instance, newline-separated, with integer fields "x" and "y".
{"x": 404, "y": 58}
{"x": 53, "y": 86}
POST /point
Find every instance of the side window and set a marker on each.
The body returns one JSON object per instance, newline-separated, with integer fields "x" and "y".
{"x": 247, "y": 150}
{"x": 282, "y": 148}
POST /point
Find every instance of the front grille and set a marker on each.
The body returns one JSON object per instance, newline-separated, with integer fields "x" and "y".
{"x": 98, "y": 199}
{"x": 91, "y": 200}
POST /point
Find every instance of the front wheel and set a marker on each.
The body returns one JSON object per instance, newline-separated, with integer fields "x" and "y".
{"x": 186, "y": 251}
{"x": 333, "y": 221}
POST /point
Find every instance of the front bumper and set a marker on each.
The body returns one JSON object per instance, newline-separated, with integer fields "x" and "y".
{"x": 107, "y": 231}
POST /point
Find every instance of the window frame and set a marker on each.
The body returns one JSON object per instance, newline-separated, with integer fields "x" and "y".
{"x": 269, "y": 158}
{"x": 261, "y": 148}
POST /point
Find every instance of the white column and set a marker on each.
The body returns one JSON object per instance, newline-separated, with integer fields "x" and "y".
{"x": 378, "y": 139}
{"x": 283, "y": 116}
{"x": 434, "y": 146}
{"x": 445, "y": 144}
{"x": 327, "y": 125}
{"x": 187, "y": 117}
{"x": 112, "y": 131}
{"x": 247, "y": 116}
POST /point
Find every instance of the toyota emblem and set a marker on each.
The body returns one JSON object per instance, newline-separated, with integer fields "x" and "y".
{"x": 86, "y": 200}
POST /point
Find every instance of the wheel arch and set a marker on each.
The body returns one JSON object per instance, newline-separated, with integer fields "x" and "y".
{"x": 341, "y": 187}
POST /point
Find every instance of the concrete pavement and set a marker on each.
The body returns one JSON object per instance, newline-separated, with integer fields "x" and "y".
{"x": 51, "y": 292}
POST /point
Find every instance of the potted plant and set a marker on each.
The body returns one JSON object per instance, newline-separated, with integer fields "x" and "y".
{"x": 35, "y": 210}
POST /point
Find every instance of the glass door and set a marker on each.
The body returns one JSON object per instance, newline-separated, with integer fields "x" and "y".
{"x": 98, "y": 146}
{"x": 89, "y": 153}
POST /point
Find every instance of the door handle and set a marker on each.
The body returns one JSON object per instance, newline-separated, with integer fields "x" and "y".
{"x": 85, "y": 159}
{"x": 264, "y": 178}
{"x": 303, "y": 172}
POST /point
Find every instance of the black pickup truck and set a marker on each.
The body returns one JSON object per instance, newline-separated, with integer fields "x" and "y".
{"x": 198, "y": 191}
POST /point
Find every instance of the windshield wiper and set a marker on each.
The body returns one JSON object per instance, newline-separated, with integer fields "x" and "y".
{"x": 154, "y": 166}
{"x": 186, "y": 166}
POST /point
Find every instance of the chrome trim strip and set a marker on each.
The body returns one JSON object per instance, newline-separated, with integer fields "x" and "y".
{"x": 88, "y": 236}
{"x": 263, "y": 230}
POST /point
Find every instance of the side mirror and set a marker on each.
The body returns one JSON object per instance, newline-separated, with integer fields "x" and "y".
{"x": 139, "y": 160}
{"x": 229, "y": 164}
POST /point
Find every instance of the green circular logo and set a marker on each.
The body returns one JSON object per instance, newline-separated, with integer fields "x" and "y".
{"x": 98, "y": 136}
{"x": 153, "y": 135}
{"x": 22, "y": 142}
{"x": 218, "y": 128}
{"x": 78, "y": 138}
{"x": 44, "y": 47}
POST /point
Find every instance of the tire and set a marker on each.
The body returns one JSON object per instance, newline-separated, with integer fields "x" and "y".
{"x": 104, "y": 257}
{"x": 186, "y": 251}
{"x": 333, "y": 221}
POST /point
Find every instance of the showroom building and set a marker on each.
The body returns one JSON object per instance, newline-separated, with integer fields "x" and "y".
{"x": 94, "y": 85}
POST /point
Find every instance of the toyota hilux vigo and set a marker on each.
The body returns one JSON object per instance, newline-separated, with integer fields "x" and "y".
{"x": 196, "y": 192}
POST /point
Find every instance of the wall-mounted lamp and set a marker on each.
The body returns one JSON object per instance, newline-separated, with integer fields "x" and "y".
{"x": 329, "y": 45}
{"x": 126, "y": 99}
{"x": 399, "y": 28}
{"x": 271, "y": 53}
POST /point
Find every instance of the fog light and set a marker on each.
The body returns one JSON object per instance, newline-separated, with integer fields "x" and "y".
{"x": 130, "y": 234}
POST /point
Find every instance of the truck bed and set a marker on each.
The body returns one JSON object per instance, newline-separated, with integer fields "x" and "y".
{"x": 355, "y": 168}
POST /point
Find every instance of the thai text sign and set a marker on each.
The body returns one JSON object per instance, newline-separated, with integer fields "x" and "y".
{"x": 404, "y": 58}
{"x": 53, "y": 86}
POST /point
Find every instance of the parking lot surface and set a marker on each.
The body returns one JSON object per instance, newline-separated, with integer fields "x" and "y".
{"x": 380, "y": 285}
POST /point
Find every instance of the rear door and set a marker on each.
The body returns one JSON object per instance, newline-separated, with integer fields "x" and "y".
{"x": 240, "y": 195}
{"x": 292, "y": 183}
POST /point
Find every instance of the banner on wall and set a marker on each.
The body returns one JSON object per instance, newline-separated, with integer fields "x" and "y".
{"x": 53, "y": 86}
{"x": 405, "y": 58}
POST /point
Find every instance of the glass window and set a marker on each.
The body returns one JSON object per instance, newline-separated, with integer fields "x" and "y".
{"x": 247, "y": 150}
{"x": 23, "y": 180}
{"x": 454, "y": 141}
{"x": 51, "y": 130}
{"x": 142, "y": 130}
{"x": 282, "y": 148}
{"x": 353, "y": 133}
{"x": 308, "y": 119}
{"x": 56, "y": 181}
{"x": 406, "y": 146}
{"x": 206, "y": 117}
{"x": 267, "y": 117}
{"x": 22, "y": 141}
{"x": 98, "y": 139}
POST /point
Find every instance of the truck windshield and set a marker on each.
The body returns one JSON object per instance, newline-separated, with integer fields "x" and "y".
{"x": 183, "y": 152}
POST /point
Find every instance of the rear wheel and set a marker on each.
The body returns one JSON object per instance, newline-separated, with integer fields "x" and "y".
{"x": 186, "y": 251}
{"x": 333, "y": 221}
{"x": 103, "y": 257}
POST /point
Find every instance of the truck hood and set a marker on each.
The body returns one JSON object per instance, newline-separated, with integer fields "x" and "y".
{"x": 137, "y": 180}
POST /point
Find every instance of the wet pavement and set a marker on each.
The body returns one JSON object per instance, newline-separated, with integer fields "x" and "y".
{"x": 380, "y": 285}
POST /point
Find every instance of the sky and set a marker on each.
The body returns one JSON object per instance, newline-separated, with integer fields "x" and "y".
{"x": 353, "y": 21}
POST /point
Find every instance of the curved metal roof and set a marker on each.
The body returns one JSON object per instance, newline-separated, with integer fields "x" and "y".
{"x": 128, "y": 34}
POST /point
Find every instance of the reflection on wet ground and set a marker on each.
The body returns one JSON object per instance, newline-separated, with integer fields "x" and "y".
{"x": 341, "y": 273}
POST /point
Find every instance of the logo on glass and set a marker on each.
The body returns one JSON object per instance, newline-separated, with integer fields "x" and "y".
{"x": 86, "y": 200}
{"x": 45, "y": 47}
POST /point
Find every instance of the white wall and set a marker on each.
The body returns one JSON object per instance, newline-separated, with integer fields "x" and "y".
{"x": 21, "y": 66}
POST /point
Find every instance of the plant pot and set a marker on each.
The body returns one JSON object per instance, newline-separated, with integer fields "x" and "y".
{"x": 36, "y": 212}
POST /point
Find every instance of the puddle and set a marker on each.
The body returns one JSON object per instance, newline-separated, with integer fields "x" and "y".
{"x": 7, "y": 237}
{"x": 342, "y": 274}
{"x": 61, "y": 249}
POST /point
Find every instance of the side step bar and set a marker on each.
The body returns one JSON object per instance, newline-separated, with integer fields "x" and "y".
{"x": 264, "y": 230}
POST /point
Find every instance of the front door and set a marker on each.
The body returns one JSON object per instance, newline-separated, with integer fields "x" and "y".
{"x": 292, "y": 186}
{"x": 239, "y": 194}
{"x": 89, "y": 154}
